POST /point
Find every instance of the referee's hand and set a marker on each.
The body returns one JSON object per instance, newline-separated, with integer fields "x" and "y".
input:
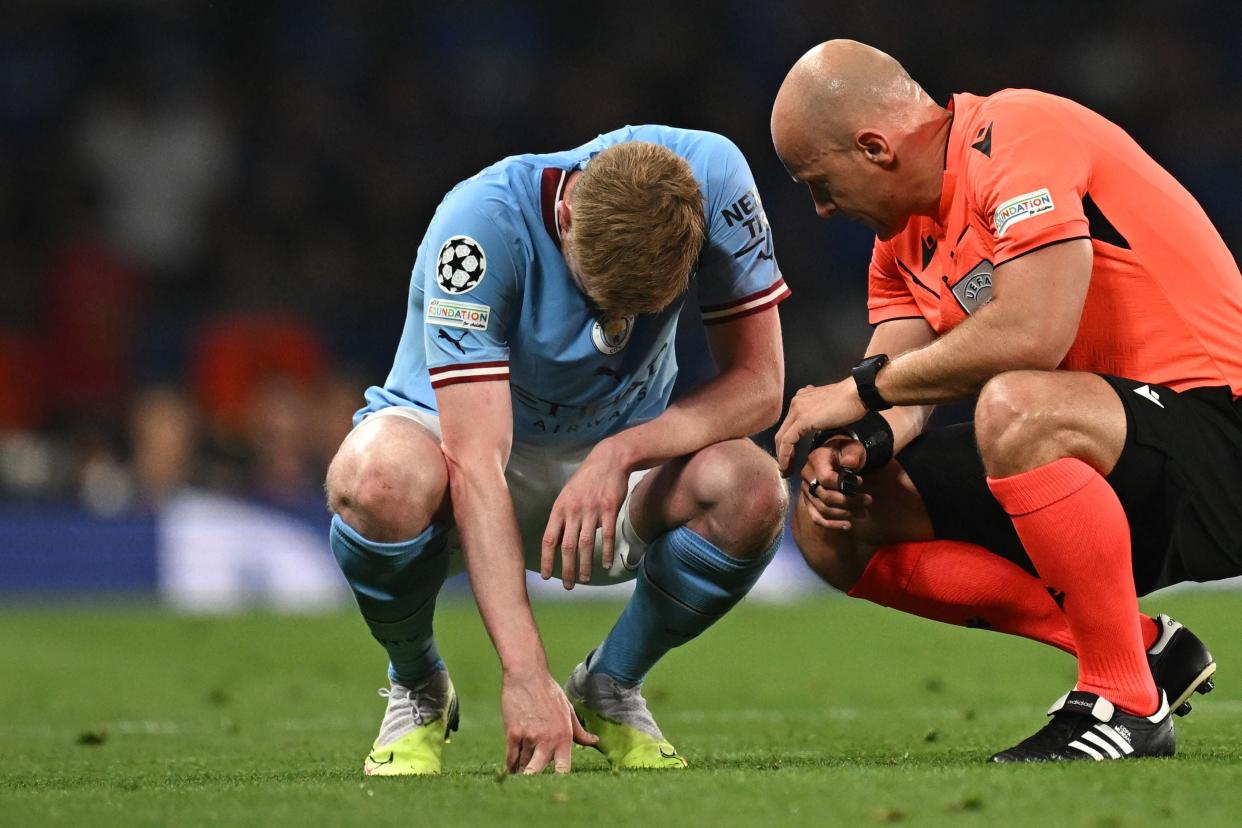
{"x": 821, "y": 484}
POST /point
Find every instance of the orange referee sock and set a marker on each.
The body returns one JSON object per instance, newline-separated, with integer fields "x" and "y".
{"x": 956, "y": 582}
{"x": 1075, "y": 531}
{"x": 960, "y": 583}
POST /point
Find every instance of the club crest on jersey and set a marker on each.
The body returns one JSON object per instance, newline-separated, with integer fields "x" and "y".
{"x": 611, "y": 335}
{"x": 1021, "y": 208}
{"x": 974, "y": 290}
{"x": 461, "y": 265}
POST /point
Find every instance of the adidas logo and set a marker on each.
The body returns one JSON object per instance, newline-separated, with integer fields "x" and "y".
{"x": 1104, "y": 742}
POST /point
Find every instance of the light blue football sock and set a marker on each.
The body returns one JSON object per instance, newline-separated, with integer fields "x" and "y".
{"x": 396, "y": 585}
{"x": 684, "y": 585}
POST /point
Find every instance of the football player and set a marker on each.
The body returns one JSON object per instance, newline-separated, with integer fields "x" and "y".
{"x": 526, "y": 425}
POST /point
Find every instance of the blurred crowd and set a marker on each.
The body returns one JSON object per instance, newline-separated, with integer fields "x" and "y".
{"x": 208, "y": 211}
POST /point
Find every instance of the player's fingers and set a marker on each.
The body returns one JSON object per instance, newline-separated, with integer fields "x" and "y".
{"x": 562, "y": 759}
{"x": 609, "y": 537}
{"x": 586, "y": 548}
{"x": 538, "y": 760}
{"x": 551, "y": 539}
{"x": 525, "y": 751}
{"x": 511, "y": 754}
{"x": 569, "y": 551}
{"x": 582, "y": 736}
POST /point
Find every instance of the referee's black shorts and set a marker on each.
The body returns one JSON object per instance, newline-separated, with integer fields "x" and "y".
{"x": 1179, "y": 479}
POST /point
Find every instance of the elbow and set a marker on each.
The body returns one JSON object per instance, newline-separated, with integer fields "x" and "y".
{"x": 766, "y": 415}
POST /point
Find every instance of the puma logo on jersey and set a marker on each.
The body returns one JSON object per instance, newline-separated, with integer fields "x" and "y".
{"x": 456, "y": 342}
{"x": 1146, "y": 392}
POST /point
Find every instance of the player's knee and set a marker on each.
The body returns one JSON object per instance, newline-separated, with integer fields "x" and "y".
{"x": 1010, "y": 413}
{"x": 831, "y": 554}
{"x": 742, "y": 487}
{"x": 386, "y": 494}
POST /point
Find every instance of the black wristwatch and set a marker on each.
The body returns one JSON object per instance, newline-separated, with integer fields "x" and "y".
{"x": 864, "y": 378}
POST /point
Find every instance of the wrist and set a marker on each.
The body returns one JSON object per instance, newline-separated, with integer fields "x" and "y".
{"x": 524, "y": 668}
{"x": 866, "y": 375}
{"x": 616, "y": 451}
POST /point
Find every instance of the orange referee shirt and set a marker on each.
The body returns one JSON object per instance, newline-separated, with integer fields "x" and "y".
{"x": 1024, "y": 170}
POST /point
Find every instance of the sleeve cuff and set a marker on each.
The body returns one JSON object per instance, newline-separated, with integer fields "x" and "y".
{"x": 468, "y": 372}
{"x": 887, "y": 313}
{"x": 760, "y": 300}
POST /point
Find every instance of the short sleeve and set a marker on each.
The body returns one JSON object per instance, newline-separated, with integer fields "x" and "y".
{"x": 888, "y": 293}
{"x": 738, "y": 275}
{"x": 1029, "y": 186}
{"x": 470, "y": 280}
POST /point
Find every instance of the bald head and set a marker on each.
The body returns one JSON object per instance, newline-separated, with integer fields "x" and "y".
{"x": 842, "y": 86}
{"x": 867, "y": 141}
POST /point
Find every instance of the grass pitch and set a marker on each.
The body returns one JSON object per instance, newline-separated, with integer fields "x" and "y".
{"x": 828, "y": 712}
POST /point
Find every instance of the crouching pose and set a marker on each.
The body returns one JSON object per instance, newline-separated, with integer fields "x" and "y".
{"x": 526, "y": 424}
{"x": 1032, "y": 255}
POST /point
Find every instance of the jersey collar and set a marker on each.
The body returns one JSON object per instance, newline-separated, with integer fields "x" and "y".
{"x": 961, "y": 110}
{"x": 551, "y": 186}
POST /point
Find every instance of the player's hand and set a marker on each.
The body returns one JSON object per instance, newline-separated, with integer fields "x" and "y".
{"x": 815, "y": 408}
{"x": 540, "y": 725}
{"x": 590, "y": 500}
{"x": 821, "y": 479}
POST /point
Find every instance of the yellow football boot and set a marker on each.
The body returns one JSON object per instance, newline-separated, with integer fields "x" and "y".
{"x": 618, "y": 715}
{"x": 418, "y": 723}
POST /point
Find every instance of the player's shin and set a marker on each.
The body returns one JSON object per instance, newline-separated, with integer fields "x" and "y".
{"x": 685, "y": 583}
{"x": 396, "y": 585}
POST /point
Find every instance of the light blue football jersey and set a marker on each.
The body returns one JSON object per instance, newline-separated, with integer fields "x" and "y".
{"x": 492, "y": 299}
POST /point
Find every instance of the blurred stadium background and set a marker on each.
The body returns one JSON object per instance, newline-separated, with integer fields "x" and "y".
{"x": 208, "y": 213}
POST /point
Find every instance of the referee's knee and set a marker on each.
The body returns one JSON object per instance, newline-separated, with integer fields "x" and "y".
{"x": 1009, "y": 416}
{"x": 832, "y": 555}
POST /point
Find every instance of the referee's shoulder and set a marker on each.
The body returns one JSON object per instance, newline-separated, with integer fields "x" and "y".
{"x": 1019, "y": 104}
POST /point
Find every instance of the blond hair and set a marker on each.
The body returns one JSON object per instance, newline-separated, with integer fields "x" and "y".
{"x": 638, "y": 227}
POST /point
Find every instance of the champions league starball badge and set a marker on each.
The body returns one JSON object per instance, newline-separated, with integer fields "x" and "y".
{"x": 611, "y": 335}
{"x": 461, "y": 265}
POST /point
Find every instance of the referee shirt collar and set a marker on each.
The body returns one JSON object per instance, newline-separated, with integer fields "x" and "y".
{"x": 961, "y": 108}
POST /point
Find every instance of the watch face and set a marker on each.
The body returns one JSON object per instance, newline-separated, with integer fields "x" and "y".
{"x": 864, "y": 378}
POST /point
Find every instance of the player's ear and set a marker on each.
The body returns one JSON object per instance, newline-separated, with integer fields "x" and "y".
{"x": 564, "y": 215}
{"x": 874, "y": 146}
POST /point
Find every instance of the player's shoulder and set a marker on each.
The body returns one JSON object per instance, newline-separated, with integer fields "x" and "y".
{"x": 708, "y": 153}
{"x": 491, "y": 201}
